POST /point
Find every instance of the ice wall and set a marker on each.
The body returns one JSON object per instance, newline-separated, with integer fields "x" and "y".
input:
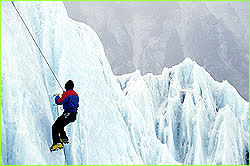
{"x": 200, "y": 120}
{"x": 126, "y": 120}
{"x": 108, "y": 129}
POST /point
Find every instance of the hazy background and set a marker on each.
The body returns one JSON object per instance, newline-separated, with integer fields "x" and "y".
{"x": 152, "y": 35}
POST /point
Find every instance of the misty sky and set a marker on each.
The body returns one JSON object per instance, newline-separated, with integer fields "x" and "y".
{"x": 152, "y": 35}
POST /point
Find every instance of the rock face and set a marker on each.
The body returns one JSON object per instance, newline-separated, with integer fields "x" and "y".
{"x": 149, "y": 36}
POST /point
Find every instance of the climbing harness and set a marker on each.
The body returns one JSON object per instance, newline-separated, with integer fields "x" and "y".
{"x": 36, "y": 43}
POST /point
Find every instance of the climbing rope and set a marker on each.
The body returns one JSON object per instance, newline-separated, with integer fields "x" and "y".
{"x": 36, "y": 43}
{"x": 43, "y": 57}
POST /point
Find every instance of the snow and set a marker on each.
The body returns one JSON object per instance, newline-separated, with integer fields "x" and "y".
{"x": 200, "y": 120}
{"x": 180, "y": 116}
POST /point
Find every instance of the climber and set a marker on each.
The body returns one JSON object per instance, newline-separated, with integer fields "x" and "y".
{"x": 70, "y": 101}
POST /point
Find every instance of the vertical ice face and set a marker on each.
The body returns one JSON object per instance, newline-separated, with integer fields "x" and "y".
{"x": 74, "y": 52}
{"x": 178, "y": 117}
{"x": 200, "y": 120}
{"x": 25, "y": 83}
{"x": 108, "y": 129}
